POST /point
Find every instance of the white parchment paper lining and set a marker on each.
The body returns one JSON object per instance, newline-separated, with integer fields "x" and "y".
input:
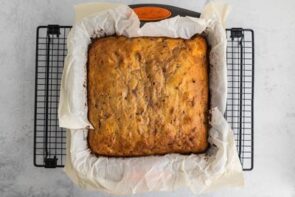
{"x": 219, "y": 167}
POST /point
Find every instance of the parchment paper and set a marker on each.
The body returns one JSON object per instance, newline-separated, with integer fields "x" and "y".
{"x": 219, "y": 167}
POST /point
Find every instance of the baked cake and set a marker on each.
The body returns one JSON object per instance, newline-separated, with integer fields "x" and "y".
{"x": 147, "y": 95}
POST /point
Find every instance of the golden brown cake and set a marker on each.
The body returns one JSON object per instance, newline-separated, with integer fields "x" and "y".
{"x": 147, "y": 96}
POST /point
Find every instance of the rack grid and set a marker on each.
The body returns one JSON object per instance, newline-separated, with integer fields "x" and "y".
{"x": 50, "y": 139}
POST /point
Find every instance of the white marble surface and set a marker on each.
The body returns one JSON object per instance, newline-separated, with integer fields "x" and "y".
{"x": 274, "y": 25}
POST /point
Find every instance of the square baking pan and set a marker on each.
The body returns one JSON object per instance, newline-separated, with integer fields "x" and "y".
{"x": 50, "y": 139}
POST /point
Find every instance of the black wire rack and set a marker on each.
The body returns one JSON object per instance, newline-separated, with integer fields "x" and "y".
{"x": 240, "y": 97}
{"x": 50, "y": 139}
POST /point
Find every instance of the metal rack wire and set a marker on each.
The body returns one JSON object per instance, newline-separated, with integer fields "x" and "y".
{"x": 240, "y": 97}
{"x": 50, "y": 140}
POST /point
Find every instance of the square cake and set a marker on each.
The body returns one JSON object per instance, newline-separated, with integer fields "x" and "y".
{"x": 147, "y": 95}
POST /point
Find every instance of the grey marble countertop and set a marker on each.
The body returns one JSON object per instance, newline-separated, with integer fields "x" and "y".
{"x": 274, "y": 25}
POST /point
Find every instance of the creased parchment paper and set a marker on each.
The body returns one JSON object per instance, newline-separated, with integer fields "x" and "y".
{"x": 218, "y": 168}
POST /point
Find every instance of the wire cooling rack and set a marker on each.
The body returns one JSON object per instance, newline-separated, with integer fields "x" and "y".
{"x": 239, "y": 109}
{"x": 50, "y": 139}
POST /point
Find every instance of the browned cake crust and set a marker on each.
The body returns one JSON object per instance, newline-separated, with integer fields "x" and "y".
{"x": 147, "y": 96}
